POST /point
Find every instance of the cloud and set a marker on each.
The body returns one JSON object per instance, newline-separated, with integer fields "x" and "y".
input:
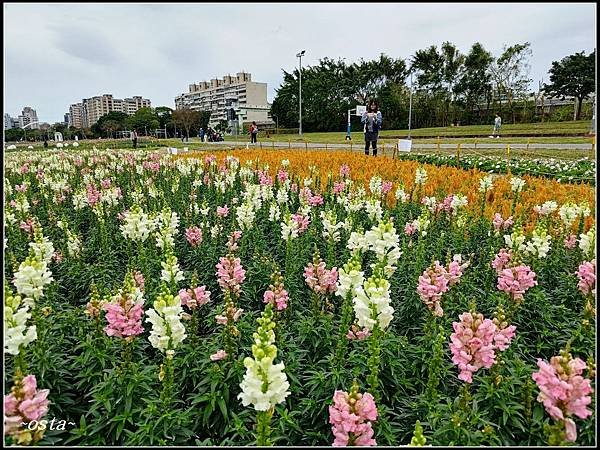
{"x": 56, "y": 54}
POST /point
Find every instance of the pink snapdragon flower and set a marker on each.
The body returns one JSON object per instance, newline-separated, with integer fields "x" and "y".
{"x": 222, "y": 211}
{"x": 233, "y": 239}
{"x": 472, "y": 344}
{"x": 350, "y": 416}
{"x": 282, "y": 175}
{"x": 501, "y": 260}
{"x": 386, "y": 187}
{"x": 571, "y": 241}
{"x": 276, "y": 294}
{"x": 302, "y": 221}
{"x": 105, "y": 183}
{"x": 21, "y": 187}
{"x": 219, "y": 355}
{"x": 319, "y": 279}
{"x": 564, "y": 392}
{"x": 358, "y": 334}
{"x": 24, "y": 404}
{"x": 192, "y": 298}
{"x": 230, "y": 274}
{"x": 501, "y": 224}
{"x": 410, "y": 228}
{"x": 339, "y": 187}
{"x": 344, "y": 170}
{"x": 193, "y": 236}
{"x": 515, "y": 281}
{"x": 264, "y": 178}
{"x": 124, "y": 316}
{"x": 587, "y": 277}
{"x": 93, "y": 195}
{"x": 432, "y": 284}
{"x": 138, "y": 278}
{"x": 315, "y": 200}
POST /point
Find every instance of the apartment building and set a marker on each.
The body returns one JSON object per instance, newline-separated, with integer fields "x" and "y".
{"x": 76, "y": 115}
{"x": 8, "y": 122}
{"x": 247, "y": 99}
{"x": 28, "y": 116}
{"x": 87, "y": 113}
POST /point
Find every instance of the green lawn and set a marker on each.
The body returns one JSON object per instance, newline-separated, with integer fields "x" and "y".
{"x": 573, "y": 131}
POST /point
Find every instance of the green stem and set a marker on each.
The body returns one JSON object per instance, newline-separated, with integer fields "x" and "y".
{"x": 263, "y": 428}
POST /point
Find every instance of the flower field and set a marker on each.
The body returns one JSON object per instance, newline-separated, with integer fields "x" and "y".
{"x": 582, "y": 170}
{"x": 294, "y": 298}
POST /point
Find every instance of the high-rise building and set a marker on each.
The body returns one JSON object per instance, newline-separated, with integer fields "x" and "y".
{"x": 233, "y": 95}
{"x": 28, "y": 116}
{"x": 76, "y": 115}
{"x": 87, "y": 113}
{"x": 8, "y": 122}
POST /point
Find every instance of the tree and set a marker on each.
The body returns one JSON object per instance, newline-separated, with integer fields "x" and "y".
{"x": 143, "y": 119}
{"x": 474, "y": 85}
{"x": 439, "y": 72}
{"x": 118, "y": 122}
{"x": 510, "y": 74}
{"x": 573, "y": 76}
{"x": 186, "y": 118}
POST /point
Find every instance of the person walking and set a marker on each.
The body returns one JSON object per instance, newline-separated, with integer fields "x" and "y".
{"x": 253, "y": 132}
{"x": 497, "y": 125}
{"x": 372, "y": 120}
{"x": 201, "y": 134}
{"x": 134, "y": 137}
{"x": 45, "y": 143}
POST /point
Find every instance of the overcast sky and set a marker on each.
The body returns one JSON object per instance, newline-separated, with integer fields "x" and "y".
{"x": 57, "y": 54}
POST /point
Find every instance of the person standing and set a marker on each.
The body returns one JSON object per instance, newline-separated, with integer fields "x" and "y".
{"x": 497, "y": 125}
{"x": 201, "y": 134}
{"x": 253, "y": 132}
{"x": 372, "y": 120}
{"x": 134, "y": 137}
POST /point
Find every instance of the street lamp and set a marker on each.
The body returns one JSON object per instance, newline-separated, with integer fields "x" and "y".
{"x": 410, "y": 103}
{"x": 300, "y": 55}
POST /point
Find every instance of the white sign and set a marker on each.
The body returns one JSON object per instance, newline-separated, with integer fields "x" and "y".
{"x": 360, "y": 110}
{"x": 173, "y": 150}
{"x": 404, "y": 145}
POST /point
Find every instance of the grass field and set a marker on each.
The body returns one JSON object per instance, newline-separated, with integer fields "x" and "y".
{"x": 564, "y": 132}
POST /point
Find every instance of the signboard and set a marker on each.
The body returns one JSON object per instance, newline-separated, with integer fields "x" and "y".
{"x": 360, "y": 110}
{"x": 173, "y": 150}
{"x": 404, "y": 145}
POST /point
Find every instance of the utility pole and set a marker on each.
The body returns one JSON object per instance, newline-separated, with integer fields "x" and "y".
{"x": 300, "y": 55}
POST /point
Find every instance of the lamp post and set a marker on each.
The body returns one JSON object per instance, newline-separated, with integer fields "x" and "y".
{"x": 299, "y": 56}
{"x": 410, "y": 103}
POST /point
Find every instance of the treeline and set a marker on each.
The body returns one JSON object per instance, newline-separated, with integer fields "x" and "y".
{"x": 145, "y": 120}
{"x": 448, "y": 88}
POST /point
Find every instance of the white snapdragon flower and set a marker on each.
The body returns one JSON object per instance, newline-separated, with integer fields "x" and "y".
{"x": 357, "y": 243}
{"x": 384, "y": 242}
{"x": 265, "y": 384}
{"x": 289, "y": 228}
{"x": 330, "y": 226}
{"x": 587, "y": 243}
{"x": 485, "y": 184}
{"x": 373, "y": 209}
{"x": 420, "y": 176}
{"x": 274, "y": 212}
{"x": 515, "y": 241}
{"x": 517, "y": 184}
{"x": 374, "y": 292}
{"x": 31, "y": 278}
{"x": 376, "y": 185}
{"x": 401, "y": 196}
{"x": 458, "y": 201}
{"x": 16, "y": 331}
{"x": 539, "y": 246}
{"x": 349, "y": 277}
{"x": 167, "y": 330}
{"x": 170, "y": 272}
{"x": 137, "y": 225}
{"x": 245, "y": 215}
{"x": 547, "y": 208}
